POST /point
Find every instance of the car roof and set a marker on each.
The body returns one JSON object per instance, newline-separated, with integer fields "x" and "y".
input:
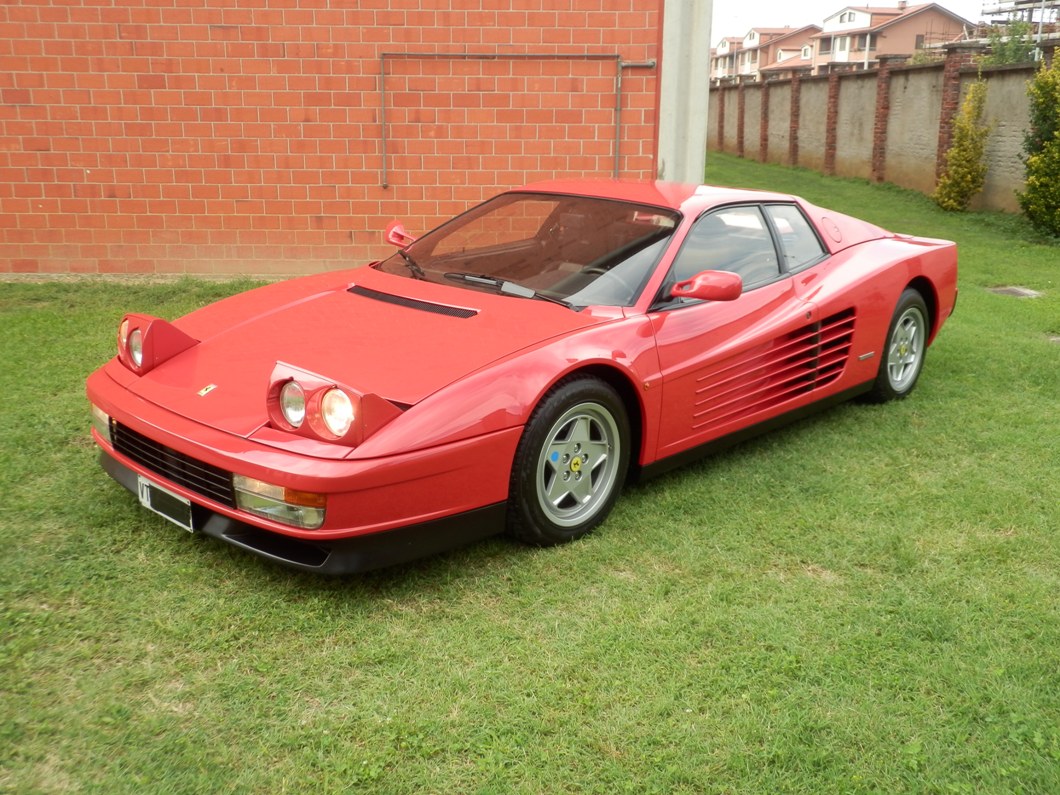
{"x": 688, "y": 198}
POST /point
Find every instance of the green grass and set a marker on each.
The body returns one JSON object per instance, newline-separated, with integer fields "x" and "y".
{"x": 867, "y": 601}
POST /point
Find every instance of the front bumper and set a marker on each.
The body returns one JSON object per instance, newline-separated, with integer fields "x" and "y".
{"x": 379, "y": 510}
{"x": 339, "y": 555}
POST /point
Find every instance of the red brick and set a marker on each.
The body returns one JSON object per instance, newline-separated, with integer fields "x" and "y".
{"x": 191, "y": 110}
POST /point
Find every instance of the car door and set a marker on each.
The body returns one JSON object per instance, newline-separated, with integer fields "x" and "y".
{"x": 727, "y": 365}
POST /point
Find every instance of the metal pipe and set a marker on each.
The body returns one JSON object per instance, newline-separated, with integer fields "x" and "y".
{"x": 622, "y": 66}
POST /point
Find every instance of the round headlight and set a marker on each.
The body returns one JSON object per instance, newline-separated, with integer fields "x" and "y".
{"x": 336, "y": 409}
{"x": 136, "y": 346}
{"x": 292, "y": 403}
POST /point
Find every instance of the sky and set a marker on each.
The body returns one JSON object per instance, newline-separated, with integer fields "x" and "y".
{"x": 736, "y": 17}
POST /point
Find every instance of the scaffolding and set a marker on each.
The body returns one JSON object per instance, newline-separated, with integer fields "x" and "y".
{"x": 1033, "y": 11}
{"x": 1041, "y": 15}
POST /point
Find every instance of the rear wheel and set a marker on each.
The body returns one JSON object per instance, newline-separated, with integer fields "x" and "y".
{"x": 904, "y": 351}
{"x": 570, "y": 464}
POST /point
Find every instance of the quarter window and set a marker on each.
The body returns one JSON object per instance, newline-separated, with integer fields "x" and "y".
{"x": 798, "y": 242}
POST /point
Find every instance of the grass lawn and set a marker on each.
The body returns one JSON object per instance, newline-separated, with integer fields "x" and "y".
{"x": 867, "y": 601}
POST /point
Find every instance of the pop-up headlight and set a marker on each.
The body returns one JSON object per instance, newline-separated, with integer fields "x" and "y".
{"x": 309, "y": 405}
{"x": 144, "y": 342}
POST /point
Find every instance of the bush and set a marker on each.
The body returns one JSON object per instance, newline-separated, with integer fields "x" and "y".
{"x": 1013, "y": 48}
{"x": 965, "y": 170}
{"x": 1041, "y": 200}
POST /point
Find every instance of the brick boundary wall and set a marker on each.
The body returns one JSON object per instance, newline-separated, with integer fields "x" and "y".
{"x": 763, "y": 124}
{"x": 831, "y": 123}
{"x": 793, "y": 127}
{"x": 721, "y": 123}
{"x": 943, "y": 82}
{"x": 741, "y": 116}
{"x": 957, "y": 57}
{"x": 883, "y": 109}
{"x": 148, "y": 136}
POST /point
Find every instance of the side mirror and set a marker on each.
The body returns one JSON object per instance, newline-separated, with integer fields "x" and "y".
{"x": 396, "y": 234}
{"x": 710, "y": 286}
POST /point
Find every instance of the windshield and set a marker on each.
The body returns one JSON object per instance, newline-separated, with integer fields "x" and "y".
{"x": 581, "y": 251}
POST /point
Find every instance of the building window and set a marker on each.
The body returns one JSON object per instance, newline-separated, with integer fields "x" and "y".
{"x": 807, "y": 52}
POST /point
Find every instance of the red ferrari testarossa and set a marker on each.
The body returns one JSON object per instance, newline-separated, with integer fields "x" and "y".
{"x": 511, "y": 369}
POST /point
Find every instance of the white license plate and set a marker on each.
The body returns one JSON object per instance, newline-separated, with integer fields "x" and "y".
{"x": 165, "y": 503}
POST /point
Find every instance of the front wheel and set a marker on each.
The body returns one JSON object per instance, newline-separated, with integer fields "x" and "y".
{"x": 570, "y": 464}
{"x": 904, "y": 351}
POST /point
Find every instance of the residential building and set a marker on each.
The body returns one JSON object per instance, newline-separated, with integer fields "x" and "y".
{"x": 744, "y": 59}
{"x": 785, "y": 54}
{"x": 855, "y": 37}
{"x": 723, "y": 59}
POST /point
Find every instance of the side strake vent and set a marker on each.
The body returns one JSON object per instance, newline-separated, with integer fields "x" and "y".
{"x": 791, "y": 365}
{"x": 412, "y": 303}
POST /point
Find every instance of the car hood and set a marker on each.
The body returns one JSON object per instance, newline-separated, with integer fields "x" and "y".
{"x": 376, "y": 333}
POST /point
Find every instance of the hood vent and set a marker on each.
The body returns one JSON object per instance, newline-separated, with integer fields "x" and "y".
{"x": 412, "y": 303}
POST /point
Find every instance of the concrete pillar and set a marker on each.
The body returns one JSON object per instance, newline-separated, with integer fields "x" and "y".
{"x": 683, "y": 92}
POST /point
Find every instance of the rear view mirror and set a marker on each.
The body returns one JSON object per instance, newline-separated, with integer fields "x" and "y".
{"x": 710, "y": 286}
{"x": 396, "y": 234}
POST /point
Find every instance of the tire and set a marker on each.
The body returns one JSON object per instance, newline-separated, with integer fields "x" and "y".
{"x": 570, "y": 464}
{"x": 903, "y": 353}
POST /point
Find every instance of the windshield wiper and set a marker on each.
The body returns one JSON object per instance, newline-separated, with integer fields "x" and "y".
{"x": 412, "y": 265}
{"x": 503, "y": 286}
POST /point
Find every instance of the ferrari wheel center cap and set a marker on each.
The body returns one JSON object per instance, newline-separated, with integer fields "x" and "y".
{"x": 575, "y": 465}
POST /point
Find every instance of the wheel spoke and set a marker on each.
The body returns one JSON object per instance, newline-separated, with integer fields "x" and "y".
{"x": 558, "y": 491}
{"x": 580, "y": 431}
{"x": 581, "y": 488}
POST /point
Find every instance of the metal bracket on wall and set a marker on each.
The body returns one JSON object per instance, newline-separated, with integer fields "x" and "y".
{"x": 621, "y": 66}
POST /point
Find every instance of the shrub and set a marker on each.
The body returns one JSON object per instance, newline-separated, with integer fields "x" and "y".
{"x": 965, "y": 170}
{"x": 1016, "y": 47}
{"x": 1041, "y": 199}
{"x": 924, "y": 57}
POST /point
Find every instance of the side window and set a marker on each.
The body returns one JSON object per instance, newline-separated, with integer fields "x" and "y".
{"x": 731, "y": 239}
{"x": 799, "y": 243}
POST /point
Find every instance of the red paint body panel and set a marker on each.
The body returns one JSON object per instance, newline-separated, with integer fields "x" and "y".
{"x": 466, "y": 368}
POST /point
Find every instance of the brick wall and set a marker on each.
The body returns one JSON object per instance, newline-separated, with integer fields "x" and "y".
{"x": 224, "y": 136}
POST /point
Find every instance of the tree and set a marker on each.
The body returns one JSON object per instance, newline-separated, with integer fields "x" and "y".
{"x": 965, "y": 170}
